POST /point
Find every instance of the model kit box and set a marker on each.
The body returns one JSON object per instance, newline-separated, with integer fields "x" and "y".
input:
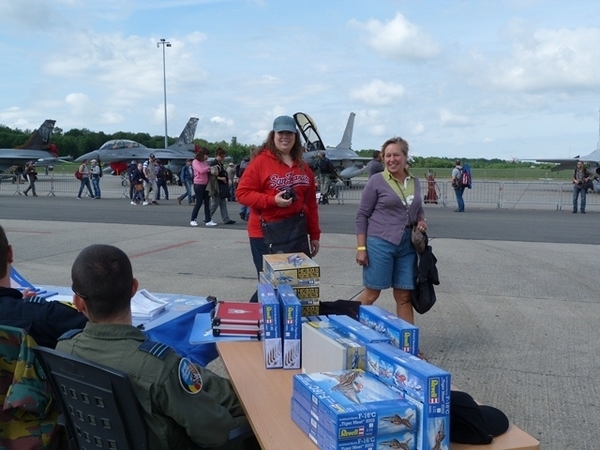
{"x": 326, "y": 349}
{"x": 352, "y": 403}
{"x": 426, "y": 386}
{"x": 291, "y": 268}
{"x": 291, "y": 316}
{"x": 324, "y": 440}
{"x": 356, "y": 330}
{"x": 402, "y": 334}
{"x": 273, "y": 339}
{"x": 307, "y": 294}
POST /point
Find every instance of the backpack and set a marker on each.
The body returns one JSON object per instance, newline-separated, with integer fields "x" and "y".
{"x": 78, "y": 174}
{"x": 465, "y": 178}
{"x": 325, "y": 165}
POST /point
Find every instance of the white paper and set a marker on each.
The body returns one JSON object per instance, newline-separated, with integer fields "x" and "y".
{"x": 144, "y": 304}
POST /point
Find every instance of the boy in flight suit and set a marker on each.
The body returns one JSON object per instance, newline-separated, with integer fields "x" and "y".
{"x": 184, "y": 405}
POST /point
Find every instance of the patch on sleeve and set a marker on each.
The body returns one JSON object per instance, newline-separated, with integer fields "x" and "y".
{"x": 189, "y": 376}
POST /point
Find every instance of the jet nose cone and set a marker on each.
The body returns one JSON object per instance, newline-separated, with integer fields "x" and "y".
{"x": 89, "y": 156}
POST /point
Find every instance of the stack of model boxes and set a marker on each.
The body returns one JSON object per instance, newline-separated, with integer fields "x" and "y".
{"x": 401, "y": 334}
{"x": 291, "y": 316}
{"x": 325, "y": 348}
{"x": 425, "y": 386}
{"x": 272, "y": 337}
{"x": 298, "y": 271}
{"x": 352, "y": 410}
{"x": 237, "y": 319}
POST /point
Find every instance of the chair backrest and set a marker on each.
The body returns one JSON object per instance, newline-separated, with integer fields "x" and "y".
{"x": 28, "y": 412}
{"x": 99, "y": 404}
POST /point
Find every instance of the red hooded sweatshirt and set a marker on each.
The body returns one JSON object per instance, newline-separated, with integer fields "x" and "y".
{"x": 264, "y": 177}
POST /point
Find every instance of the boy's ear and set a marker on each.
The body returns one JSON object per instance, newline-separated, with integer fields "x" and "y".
{"x": 79, "y": 304}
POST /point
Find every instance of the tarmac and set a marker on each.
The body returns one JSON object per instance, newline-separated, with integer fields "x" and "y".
{"x": 515, "y": 323}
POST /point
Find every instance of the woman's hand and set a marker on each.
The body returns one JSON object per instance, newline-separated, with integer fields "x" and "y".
{"x": 283, "y": 202}
{"x": 422, "y": 225}
{"x": 314, "y": 248}
{"x": 362, "y": 259}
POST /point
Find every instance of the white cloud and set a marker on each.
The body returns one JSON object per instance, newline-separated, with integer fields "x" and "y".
{"x": 378, "y": 92}
{"x": 222, "y": 121}
{"x": 450, "y": 119}
{"x": 399, "y": 39}
{"x": 549, "y": 60}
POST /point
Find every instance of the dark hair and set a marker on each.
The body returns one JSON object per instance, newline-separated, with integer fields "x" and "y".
{"x": 220, "y": 152}
{"x": 376, "y": 154}
{"x": 201, "y": 153}
{"x": 103, "y": 277}
{"x": 296, "y": 152}
{"x": 3, "y": 252}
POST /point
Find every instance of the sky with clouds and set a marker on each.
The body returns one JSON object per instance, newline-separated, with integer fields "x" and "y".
{"x": 455, "y": 78}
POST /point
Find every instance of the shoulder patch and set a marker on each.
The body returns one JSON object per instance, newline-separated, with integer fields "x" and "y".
{"x": 155, "y": 348}
{"x": 36, "y": 299}
{"x": 189, "y": 377}
{"x": 69, "y": 334}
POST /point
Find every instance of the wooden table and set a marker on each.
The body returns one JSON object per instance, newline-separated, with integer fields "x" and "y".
{"x": 265, "y": 396}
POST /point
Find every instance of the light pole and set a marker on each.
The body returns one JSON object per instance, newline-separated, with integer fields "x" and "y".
{"x": 164, "y": 43}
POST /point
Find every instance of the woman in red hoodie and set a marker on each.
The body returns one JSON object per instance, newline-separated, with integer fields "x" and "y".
{"x": 275, "y": 169}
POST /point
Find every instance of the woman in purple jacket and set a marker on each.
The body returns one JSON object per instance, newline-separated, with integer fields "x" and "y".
{"x": 391, "y": 203}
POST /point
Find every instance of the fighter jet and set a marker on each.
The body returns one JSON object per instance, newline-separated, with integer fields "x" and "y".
{"x": 592, "y": 160}
{"x": 38, "y": 148}
{"x": 398, "y": 420}
{"x": 118, "y": 153}
{"x": 347, "y": 385}
{"x": 345, "y": 160}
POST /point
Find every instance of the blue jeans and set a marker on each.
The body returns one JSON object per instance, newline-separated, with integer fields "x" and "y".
{"x": 161, "y": 184}
{"x": 85, "y": 181}
{"x": 96, "y": 186}
{"x": 258, "y": 247}
{"x": 188, "y": 192}
{"x": 201, "y": 197}
{"x": 245, "y": 211}
{"x": 459, "y": 198}
{"x": 577, "y": 188}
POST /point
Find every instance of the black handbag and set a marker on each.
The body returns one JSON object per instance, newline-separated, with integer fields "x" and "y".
{"x": 287, "y": 235}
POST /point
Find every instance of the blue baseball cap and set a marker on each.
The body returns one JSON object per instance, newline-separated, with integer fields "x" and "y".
{"x": 284, "y": 123}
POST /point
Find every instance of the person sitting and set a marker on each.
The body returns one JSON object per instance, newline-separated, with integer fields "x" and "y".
{"x": 184, "y": 405}
{"x": 45, "y": 321}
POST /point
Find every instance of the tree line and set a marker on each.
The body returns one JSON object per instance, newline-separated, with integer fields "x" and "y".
{"x": 77, "y": 142}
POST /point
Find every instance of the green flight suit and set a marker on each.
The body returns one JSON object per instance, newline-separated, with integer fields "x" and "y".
{"x": 179, "y": 415}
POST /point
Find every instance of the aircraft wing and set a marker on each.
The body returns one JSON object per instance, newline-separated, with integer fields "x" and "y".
{"x": 593, "y": 160}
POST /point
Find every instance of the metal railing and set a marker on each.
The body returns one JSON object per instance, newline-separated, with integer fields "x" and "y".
{"x": 497, "y": 194}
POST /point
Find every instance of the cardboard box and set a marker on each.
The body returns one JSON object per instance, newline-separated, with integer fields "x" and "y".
{"x": 426, "y": 386}
{"x": 402, "y": 334}
{"x": 352, "y": 403}
{"x": 291, "y": 316}
{"x": 273, "y": 339}
{"x": 404, "y": 440}
{"x": 356, "y": 330}
{"x": 326, "y": 349}
{"x": 291, "y": 269}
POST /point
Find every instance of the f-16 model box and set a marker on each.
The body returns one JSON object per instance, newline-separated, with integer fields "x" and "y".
{"x": 325, "y": 441}
{"x": 273, "y": 339}
{"x": 352, "y": 403}
{"x": 426, "y": 386}
{"x": 291, "y": 316}
{"x": 402, "y": 334}
{"x": 295, "y": 269}
{"x": 356, "y": 330}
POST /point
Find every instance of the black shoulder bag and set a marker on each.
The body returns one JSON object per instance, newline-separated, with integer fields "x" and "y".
{"x": 288, "y": 235}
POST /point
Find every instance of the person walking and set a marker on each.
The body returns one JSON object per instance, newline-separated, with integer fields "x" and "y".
{"x": 219, "y": 200}
{"x": 375, "y": 165}
{"x": 161, "y": 179}
{"x": 31, "y": 175}
{"x": 186, "y": 176}
{"x": 231, "y": 181}
{"x": 390, "y": 205}
{"x": 457, "y": 185}
{"x": 201, "y": 171}
{"x": 581, "y": 176}
{"x": 96, "y": 174}
{"x": 150, "y": 187}
{"x": 84, "y": 171}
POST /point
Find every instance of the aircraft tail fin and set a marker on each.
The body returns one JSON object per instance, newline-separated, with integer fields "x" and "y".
{"x": 346, "y": 141}
{"x": 40, "y": 139}
{"x": 187, "y": 135}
